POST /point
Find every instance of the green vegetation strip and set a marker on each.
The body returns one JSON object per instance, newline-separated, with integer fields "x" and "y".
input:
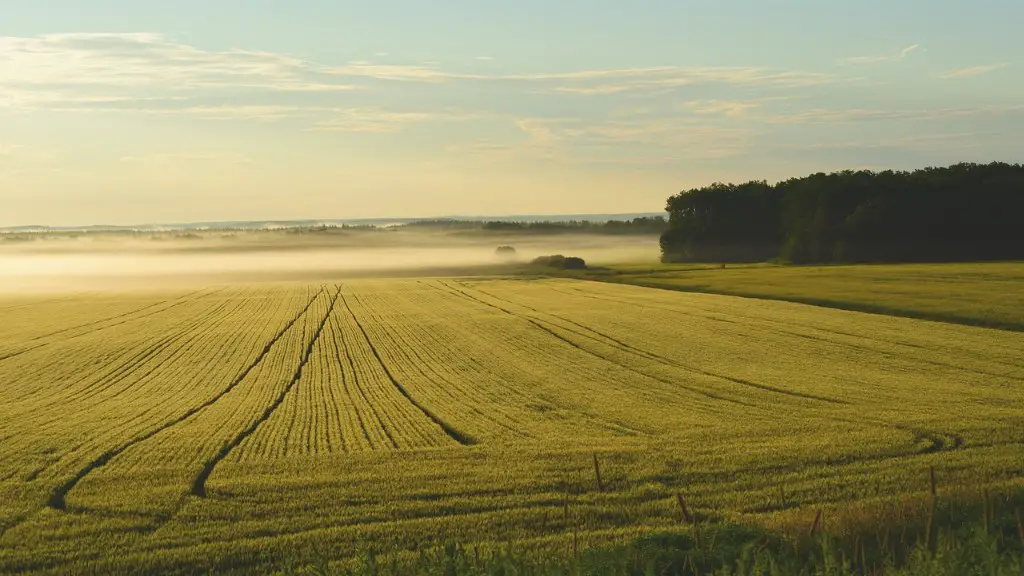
{"x": 956, "y": 537}
{"x": 977, "y": 294}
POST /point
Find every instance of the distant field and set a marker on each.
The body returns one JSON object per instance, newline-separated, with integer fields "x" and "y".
{"x": 226, "y": 428}
{"x": 980, "y": 294}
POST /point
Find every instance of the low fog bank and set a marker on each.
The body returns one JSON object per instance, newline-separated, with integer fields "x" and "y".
{"x": 111, "y": 263}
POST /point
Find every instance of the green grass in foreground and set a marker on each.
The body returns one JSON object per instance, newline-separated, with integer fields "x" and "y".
{"x": 955, "y": 536}
{"x": 979, "y": 294}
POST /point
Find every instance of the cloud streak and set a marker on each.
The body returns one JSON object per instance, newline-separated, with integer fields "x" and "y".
{"x": 172, "y": 158}
{"x": 574, "y": 116}
{"x": 639, "y": 142}
{"x": 901, "y": 55}
{"x": 826, "y": 116}
{"x": 144, "y": 73}
{"x": 99, "y": 68}
{"x": 381, "y": 120}
{"x": 972, "y": 71}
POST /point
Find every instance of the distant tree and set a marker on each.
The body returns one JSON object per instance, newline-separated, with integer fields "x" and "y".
{"x": 574, "y": 263}
{"x": 506, "y": 252}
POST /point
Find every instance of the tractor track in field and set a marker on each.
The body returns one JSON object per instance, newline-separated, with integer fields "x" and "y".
{"x": 190, "y": 337}
{"x": 345, "y": 384}
{"x": 444, "y": 381}
{"x": 555, "y": 334}
{"x": 43, "y": 302}
{"x": 126, "y": 316}
{"x": 553, "y": 503}
{"x": 664, "y": 360}
{"x": 556, "y": 501}
{"x": 58, "y": 496}
{"x": 454, "y": 434}
{"x": 779, "y": 327}
{"x": 174, "y": 302}
{"x": 359, "y": 389}
{"x": 603, "y": 422}
{"x": 198, "y": 488}
{"x": 126, "y": 368}
{"x": 939, "y": 441}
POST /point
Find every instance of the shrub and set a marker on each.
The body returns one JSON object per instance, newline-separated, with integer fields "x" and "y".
{"x": 561, "y": 262}
{"x": 506, "y": 252}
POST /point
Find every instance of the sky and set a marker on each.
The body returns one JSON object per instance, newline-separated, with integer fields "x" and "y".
{"x": 141, "y": 111}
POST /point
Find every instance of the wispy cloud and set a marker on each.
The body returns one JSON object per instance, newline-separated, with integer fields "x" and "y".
{"x": 906, "y": 51}
{"x": 690, "y": 112}
{"x": 826, "y": 116}
{"x": 96, "y": 68}
{"x": 23, "y": 157}
{"x": 727, "y": 108}
{"x": 153, "y": 74}
{"x": 624, "y": 142}
{"x": 901, "y": 55}
{"x": 919, "y": 142}
{"x": 381, "y": 120}
{"x": 972, "y": 71}
{"x": 171, "y": 158}
{"x": 623, "y": 80}
{"x": 149, "y": 61}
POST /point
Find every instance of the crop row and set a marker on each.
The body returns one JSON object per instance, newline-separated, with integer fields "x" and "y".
{"x": 147, "y": 382}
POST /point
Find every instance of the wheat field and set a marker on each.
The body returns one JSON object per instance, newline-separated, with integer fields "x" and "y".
{"x": 222, "y": 428}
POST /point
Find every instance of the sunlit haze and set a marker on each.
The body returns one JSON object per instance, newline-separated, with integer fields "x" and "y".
{"x": 135, "y": 111}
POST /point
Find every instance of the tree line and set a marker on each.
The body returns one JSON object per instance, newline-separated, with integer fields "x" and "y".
{"x": 650, "y": 225}
{"x": 957, "y": 213}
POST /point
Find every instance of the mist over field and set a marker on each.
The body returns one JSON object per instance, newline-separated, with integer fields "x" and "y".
{"x": 111, "y": 262}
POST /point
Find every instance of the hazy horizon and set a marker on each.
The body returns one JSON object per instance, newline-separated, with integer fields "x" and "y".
{"x": 121, "y": 112}
{"x": 104, "y": 262}
{"x": 336, "y": 221}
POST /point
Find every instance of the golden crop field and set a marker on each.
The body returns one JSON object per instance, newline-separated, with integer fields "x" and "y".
{"x": 220, "y": 429}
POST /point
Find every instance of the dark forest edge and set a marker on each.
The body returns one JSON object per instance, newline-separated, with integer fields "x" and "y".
{"x": 964, "y": 212}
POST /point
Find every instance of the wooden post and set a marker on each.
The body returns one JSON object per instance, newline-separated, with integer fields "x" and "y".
{"x": 687, "y": 517}
{"x": 929, "y": 539}
{"x": 985, "y": 512}
{"x": 816, "y": 526}
{"x": 931, "y": 476}
{"x": 1020, "y": 526}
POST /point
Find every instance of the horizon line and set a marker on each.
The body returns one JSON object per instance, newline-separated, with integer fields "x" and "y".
{"x": 402, "y": 219}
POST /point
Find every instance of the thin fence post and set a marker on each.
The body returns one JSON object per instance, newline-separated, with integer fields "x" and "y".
{"x": 1020, "y": 526}
{"x": 687, "y": 517}
{"x": 816, "y": 526}
{"x": 985, "y": 511}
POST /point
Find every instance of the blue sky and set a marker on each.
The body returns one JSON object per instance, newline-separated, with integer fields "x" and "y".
{"x": 142, "y": 111}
